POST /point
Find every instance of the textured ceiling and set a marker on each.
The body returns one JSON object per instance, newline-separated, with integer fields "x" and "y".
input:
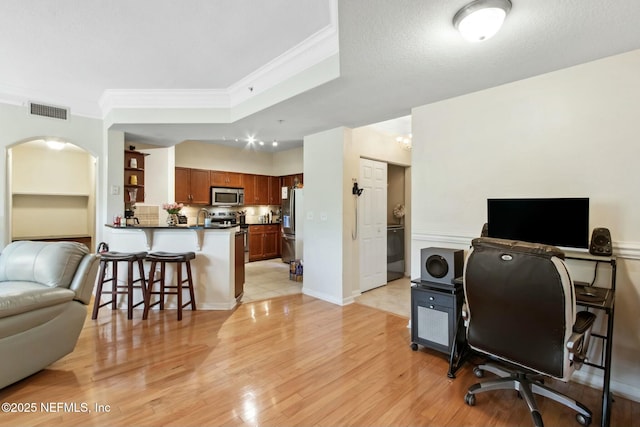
{"x": 394, "y": 55}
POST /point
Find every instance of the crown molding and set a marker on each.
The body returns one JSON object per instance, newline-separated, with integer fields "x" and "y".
{"x": 312, "y": 51}
{"x": 163, "y": 98}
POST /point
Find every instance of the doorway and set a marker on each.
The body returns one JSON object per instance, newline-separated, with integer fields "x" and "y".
{"x": 372, "y": 217}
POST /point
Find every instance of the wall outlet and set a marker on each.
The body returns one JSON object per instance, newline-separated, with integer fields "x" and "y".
{"x": 115, "y": 190}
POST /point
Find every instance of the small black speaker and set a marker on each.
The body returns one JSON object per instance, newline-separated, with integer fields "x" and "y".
{"x": 441, "y": 265}
{"x": 600, "y": 242}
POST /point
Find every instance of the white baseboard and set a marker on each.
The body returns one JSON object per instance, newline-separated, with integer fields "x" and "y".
{"x": 326, "y": 297}
{"x": 594, "y": 377}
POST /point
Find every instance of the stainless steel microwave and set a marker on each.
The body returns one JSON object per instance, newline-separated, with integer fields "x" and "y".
{"x": 227, "y": 196}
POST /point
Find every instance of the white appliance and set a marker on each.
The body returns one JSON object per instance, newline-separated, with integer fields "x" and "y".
{"x": 227, "y": 196}
{"x": 292, "y": 223}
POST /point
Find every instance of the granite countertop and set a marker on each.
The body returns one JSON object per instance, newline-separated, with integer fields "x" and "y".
{"x": 177, "y": 227}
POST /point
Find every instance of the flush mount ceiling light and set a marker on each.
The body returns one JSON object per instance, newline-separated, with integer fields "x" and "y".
{"x": 481, "y": 19}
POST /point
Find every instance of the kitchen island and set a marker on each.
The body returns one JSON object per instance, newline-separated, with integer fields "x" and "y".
{"x": 214, "y": 269}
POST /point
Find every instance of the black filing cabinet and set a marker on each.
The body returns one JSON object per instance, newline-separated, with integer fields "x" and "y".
{"x": 435, "y": 310}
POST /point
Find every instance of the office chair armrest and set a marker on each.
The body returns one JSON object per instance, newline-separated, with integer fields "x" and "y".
{"x": 584, "y": 321}
{"x": 465, "y": 314}
{"x": 578, "y": 343}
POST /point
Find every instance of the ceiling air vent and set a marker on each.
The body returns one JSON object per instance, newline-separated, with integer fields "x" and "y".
{"x": 48, "y": 111}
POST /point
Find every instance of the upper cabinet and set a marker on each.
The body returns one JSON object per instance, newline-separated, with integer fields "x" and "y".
{"x": 192, "y": 186}
{"x": 262, "y": 190}
{"x": 290, "y": 180}
{"x": 274, "y": 190}
{"x": 133, "y": 176}
{"x": 226, "y": 179}
{"x": 256, "y": 189}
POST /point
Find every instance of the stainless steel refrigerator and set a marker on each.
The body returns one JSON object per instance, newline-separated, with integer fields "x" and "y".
{"x": 291, "y": 224}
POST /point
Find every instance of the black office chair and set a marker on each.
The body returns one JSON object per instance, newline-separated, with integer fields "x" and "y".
{"x": 520, "y": 311}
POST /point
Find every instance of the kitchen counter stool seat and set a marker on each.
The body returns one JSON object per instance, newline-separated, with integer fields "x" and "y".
{"x": 162, "y": 258}
{"x": 127, "y": 289}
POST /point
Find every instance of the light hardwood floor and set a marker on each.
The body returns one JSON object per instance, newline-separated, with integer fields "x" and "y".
{"x": 291, "y": 360}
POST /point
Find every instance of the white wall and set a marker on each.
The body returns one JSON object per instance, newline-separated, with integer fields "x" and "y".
{"x": 114, "y": 177}
{"x": 288, "y": 162}
{"x": 159, "y": 170}
{"x": 17, "y": 126}
{"x": 331, "y": 162}
{"x": 40, "y": 170}
{"x": 573, "y": 132}
{"x": 368, "y": 142}
{"x": 323, "y": 219}
{"x": 53, "y": 192}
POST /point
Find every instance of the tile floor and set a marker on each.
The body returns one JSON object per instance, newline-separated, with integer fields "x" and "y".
{"x": 270, "y": 278}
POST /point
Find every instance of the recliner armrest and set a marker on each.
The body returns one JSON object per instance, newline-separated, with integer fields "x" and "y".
{"x": 84, "y": 278}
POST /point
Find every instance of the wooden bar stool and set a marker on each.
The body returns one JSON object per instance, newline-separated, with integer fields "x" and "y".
{"x": 179, "y": 258}
{"x": 127, "y": 289}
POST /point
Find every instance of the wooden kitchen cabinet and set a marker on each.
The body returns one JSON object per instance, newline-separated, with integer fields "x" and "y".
{"x": 192, "y": 186}
{"x": 271, "y": 237}
{"x": 226, "y": 179}
{"x": 249, "y": 184}
{"x": 274, "y": 190}
{"x": 256, "y": 189}
{"x": 288, "y": 180}
{"x": 262, "y": 190}
{"x": 183, "y": 185}
{"x": 263, "y": 241}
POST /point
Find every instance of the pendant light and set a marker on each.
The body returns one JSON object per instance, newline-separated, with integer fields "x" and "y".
{"x": 481, "y": 19}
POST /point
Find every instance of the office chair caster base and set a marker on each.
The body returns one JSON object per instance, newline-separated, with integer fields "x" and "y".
{"x": 479, "y": 373}
{"x": 537, "y": 419}
{"x": 583, "y": 420}
{"x": 470, "y": 399}
{"x": 414, "y": 346}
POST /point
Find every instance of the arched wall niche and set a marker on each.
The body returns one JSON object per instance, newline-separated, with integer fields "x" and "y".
{"x": 52, "y": 190}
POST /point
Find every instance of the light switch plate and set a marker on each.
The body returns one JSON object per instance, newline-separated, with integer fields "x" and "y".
{"x": 115, "y": 190}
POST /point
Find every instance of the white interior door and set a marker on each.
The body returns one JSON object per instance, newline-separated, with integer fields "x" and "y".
{"x": 372, "y": 216}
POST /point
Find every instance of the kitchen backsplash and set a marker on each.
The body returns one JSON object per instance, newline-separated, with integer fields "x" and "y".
{"x": 252, "y": 213}
{"x": 147, "y": 214}
{"x": 153, "y": 215}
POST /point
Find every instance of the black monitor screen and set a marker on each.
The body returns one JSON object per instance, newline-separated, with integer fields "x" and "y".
{"x": 558, "y": 222}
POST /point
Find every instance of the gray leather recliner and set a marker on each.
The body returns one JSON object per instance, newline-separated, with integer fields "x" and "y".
{"x": 45, "y": 288}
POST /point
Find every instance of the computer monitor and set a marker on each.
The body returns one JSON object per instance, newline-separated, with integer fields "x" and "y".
{"x": 553, "y": 221}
